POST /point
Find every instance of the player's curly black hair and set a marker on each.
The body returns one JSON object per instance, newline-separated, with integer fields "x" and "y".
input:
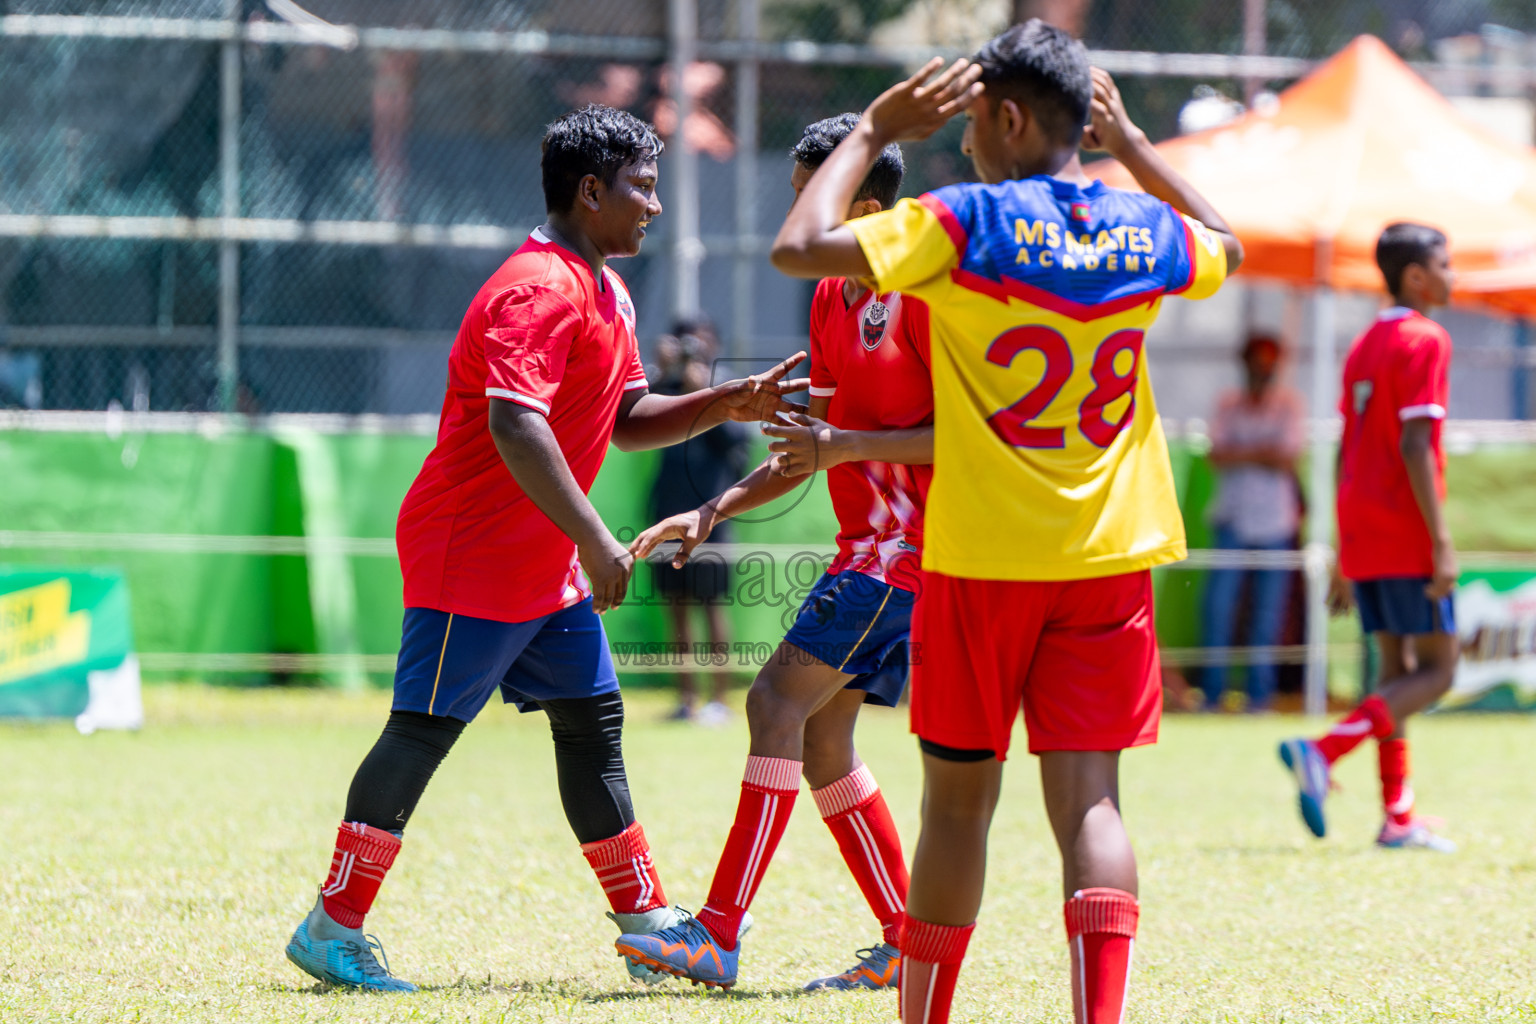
{"x": 593, "y": 140}
{"x": 1043, "y": 68}
{"x": 1403, "y": 244}
{"x": 821, "y": 138}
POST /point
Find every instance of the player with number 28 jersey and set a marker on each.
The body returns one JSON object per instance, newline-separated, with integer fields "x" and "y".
{"x": 1052, "y": 496}
{"x": 1050, "y": 464}
{"x": 1050, "y": 461}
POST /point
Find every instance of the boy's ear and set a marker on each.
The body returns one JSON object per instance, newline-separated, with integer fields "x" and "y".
{"x": 865, "y": 207}
{"x": 1014, "y": 117}
{"x": 589, "y": 192}
{"x": 1413, "y": 279}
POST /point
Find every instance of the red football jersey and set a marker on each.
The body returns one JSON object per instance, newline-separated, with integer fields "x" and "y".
{"x": 1398, "y": 370}
{"x": 544, "y": 334}
{"x": 871, "y": 359}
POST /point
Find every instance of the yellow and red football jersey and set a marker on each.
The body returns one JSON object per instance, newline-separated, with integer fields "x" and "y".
{"x": 1050, "y": 461}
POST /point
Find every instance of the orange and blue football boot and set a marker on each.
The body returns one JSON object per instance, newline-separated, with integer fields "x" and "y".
{"x": 879, "y": 967}
{"x": 686, "y": 950}
{"x": 1313, "y": 779}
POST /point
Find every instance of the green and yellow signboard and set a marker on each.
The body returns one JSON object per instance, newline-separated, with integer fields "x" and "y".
{"x": 66, "y": 646}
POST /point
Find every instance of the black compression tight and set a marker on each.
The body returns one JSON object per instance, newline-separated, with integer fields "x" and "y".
{"x": 589, "y": 761}
{"x": 396, "y": 771}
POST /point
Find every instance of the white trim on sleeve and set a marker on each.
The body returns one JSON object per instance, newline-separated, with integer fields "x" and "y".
{"x": 513, "y": 396}
{"x": 1421, "y": 412}
{"x": 822, "y": 392}
{"x": 635, "y": 385}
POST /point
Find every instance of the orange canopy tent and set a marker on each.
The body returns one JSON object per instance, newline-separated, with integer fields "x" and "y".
{"x": 1356, "y": 145}
{"x": 1308, "y": 186}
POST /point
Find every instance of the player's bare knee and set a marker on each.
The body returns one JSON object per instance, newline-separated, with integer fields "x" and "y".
{"x": 770, "y": 708}
{"x": 778, "y": 697}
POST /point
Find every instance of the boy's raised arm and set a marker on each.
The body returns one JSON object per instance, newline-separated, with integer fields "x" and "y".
{"x": 1111, "y": 130}
{"x": 813, "y": 241}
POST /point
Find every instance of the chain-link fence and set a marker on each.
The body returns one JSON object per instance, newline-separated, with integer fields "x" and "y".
{"x": 259, "y": 206}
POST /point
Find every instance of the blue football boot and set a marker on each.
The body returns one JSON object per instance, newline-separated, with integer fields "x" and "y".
{"x": 877, "y": 968}
{"x": 336, "y": 955}
{"x": 686, "y": 950}
{"x": 1310, "y": 767}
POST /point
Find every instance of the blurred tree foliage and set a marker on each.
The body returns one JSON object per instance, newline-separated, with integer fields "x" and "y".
{"x": 832, "y": 21}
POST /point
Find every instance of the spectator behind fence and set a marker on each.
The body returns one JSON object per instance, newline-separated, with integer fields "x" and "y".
{"x": 1256, "y": 436}
{"x": 688, "y": 475}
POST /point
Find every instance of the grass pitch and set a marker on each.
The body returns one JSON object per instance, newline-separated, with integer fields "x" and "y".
{"x": 157, "y": 876}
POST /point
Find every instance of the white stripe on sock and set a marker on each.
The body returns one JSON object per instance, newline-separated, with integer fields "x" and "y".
{"x": 1082, "y": 983}
{"x": 754, "y": 856}
{"x": 343, "y": 875}
{"x": 871, "y": 849}
{"x": 1125, "y": 997}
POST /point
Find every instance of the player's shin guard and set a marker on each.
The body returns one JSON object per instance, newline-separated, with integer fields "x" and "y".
{"x": 624, "y": 868}
{"x": 931, "y": 955}
{"x": 1101, "y": 932}
{"x": 1371, "y": 718}
{"x": 767, "y": 796}
{"x": 855, "y": 811}
{"x": 1396, "y": 793}
{"x": 363, "y": 855}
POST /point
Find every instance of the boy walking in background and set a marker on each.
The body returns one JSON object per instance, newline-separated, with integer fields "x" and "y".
{"x": 1052, "y": 493}
{"x": 1395, "y": 547}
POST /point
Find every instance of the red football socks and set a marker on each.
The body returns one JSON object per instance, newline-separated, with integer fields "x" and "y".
{"x": 930, "y": 965}
{"x": 363, "y": 855}
{"x": 1101, "y": 932}
{"x": 624, "y": 869}
{"x": 1371, "y": 718}
{"x": 767, "y": 796}
{"x": 1396, "y": 793}
{"x": 855, "y": 811}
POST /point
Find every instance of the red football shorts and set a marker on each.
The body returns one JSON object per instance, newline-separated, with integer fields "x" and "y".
{"x": 1080, "y": 656}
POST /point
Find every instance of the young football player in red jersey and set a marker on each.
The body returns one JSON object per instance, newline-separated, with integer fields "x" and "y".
{"x": 1394, "y": 543}
{"x": 1052, "y": 493}
{"x": 868, "y": 425}
{"x": 506, "y": 562}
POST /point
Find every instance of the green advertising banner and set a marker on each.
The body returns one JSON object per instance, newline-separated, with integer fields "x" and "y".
{"x": 1496, "y": 620}
{"x": 66, "y": 647}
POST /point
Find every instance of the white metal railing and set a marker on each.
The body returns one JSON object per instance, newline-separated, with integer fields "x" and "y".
{"x": 1314, "y": 562}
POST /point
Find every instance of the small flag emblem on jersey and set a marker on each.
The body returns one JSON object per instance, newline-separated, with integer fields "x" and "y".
{"x": 1080, "y": 211}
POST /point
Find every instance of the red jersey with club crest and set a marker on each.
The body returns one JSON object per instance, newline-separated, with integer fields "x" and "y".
{"x": 870, "y": 358}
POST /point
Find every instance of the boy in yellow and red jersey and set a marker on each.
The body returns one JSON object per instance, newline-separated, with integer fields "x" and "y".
{"x": 1052, "y": 494}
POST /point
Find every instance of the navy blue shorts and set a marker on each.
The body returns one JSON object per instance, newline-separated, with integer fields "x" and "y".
{"x": 450, "y": 664}
{"x": 859, "y": 626}
{"x": 1400, "y": 606}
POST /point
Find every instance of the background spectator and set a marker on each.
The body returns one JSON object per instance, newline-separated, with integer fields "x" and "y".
{"x": 1256, "y": 435}
{"x": 689, "y": 475}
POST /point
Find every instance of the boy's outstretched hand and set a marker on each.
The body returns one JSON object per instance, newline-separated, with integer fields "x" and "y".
{"x": 760, "y": 396}
{"x": 1109, "y": 127}
{"x": 914, "y": 109}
